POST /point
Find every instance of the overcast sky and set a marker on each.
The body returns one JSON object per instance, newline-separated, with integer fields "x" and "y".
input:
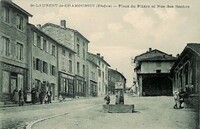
{"x": 121, "y": 33}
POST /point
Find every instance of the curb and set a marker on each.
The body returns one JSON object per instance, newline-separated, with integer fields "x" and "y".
{"x": 29, "y": 125}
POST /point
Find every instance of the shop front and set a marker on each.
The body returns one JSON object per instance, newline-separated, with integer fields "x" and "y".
{"x": 93, "y": 88}
{"x": 66, "y": 85}
{"x": 12, "y": 77}
{"x": 80, "y": 86}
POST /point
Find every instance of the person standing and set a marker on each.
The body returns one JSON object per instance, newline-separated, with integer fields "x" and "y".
{"x": 33, "y": 95}
{"x": 176, "y": 99}
{"x": 49, "y": 95}
{"x": 107, "y": 99}
{"x": 15, "y": 96}
{"x": 21, "y": 98}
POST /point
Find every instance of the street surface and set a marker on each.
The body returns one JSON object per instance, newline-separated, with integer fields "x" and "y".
{"x": 150, "y": 113}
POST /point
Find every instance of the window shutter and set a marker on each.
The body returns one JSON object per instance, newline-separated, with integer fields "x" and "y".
{"x": 50, "y": 48}
{"x": 34, "y": 63}
{"x": 34, "y": 39}
{"x": 10, "y": 47}
{"x": 50, "y": 69}
{"x": 41, "y": 66}
{"x": 47, "y": 46}
{"x": 1, "y": 45}
{"x": 41, "y": 43}
{"x": 47, "y": 68}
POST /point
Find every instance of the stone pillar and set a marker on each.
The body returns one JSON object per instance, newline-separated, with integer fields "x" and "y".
{"x": 140, "y": 85}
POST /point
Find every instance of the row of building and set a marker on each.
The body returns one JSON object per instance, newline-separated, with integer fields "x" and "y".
{"x": 159, "y": 73}
{"x": 49, "y": 57}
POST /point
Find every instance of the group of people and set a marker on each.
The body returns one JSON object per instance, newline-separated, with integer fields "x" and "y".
{"x": 119, "y": 100}
{"x": 42, "y": 96}
{"x": 179, "y": 98}
{"x": 26, "y": 96}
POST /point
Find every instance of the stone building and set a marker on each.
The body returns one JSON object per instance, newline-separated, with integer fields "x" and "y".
{"x": 77, "y": 42}
{"x": 153, "y": 73}
{"x": 42, "y": 58}
{"x": 186, "y": 73}
{"x": 13, "y": 49}
{"x": 113, "y": 77}
{"x": 92, "y": 71}
{"x": 102, "y": 85}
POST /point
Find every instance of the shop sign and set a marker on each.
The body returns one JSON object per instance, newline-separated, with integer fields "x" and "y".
{"x": 13, "y": 68}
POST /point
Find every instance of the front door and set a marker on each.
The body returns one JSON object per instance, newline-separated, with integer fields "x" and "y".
{"x": 13, "y": 84}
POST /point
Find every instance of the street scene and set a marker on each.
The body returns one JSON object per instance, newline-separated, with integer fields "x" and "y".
{"x": 109, "y": 65}
{"x": 150, "y": 113}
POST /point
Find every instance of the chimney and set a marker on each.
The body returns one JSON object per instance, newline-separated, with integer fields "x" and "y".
{"x": 98, "y": 54}
{"x": 63, "y": 23}
{"x": 177, "y": 55}
{"x": 150, "y": 49}
{"x": 102, "y": 57}
{"x": 39, "y": 26}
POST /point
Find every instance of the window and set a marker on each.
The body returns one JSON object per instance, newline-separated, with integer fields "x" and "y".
{"x": 19, "y": 51}
{"x": 53, "y": 50}
{"x": 45, "y": 45}
{"x": 38, "y": 41}
{"x": 78, "y": 50}
{"x": 6, "y": 46}
{"x": 70, "y": 55}
{"x": 19, "y": 22}
{"x": 99, "y": 63}
{"x": 83, "y": 70}
{"x": 70, "y": 66}
{"x": 78, "y": 68}
{"x": 45, "y": 67}
{"x": 102, "y": 65}
{"x": 52, "y": 70}
{"x": 6, "y": 16}
{"x": 37, "y": 64}
{"x": 63, "y": 52}
{"x": 99, "y": 71}
{"x": 83, "y": 53}
{"x": 77, "y": 39}
{"x": 102, "y": 76}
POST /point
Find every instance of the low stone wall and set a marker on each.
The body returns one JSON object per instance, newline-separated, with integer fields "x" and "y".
{"x": 192, "y": 101}
{"x": 120, "y": 108}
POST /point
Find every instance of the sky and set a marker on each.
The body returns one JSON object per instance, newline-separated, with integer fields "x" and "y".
{"x": 123, "y": 29}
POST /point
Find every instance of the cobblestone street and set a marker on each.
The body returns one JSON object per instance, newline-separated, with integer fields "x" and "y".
{"x": 150, "y": 113}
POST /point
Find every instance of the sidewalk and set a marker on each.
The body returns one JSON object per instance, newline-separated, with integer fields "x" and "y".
{"x": 11, "y": 104}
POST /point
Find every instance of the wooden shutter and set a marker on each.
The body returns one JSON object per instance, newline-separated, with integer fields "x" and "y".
{"x": 41, "y": 42}
{"x": 34, "y": 39}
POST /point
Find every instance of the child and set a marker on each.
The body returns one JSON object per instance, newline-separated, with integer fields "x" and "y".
{"x": 176, "y": 99}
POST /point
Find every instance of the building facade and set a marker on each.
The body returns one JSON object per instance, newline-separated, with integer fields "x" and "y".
{"x": 13, "y": 49}
{"x": 92, "y": 69}
{"x": 153, "y": 73}
{"x": 102, "y": 85}
{"x": 78, "y": 43}
{"x": 186, "y": 74}
{"x": 113, "y": 77}
{"x": 42, "y": 58}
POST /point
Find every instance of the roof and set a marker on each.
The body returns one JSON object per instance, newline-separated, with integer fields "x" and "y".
{"x": 57, "y": 26}
{"x": 36, "y": 29}
{"x": 109, "y": 69}
{"x": 93, "y": 62}
{"x": 17, "y": 7}
{"x": 195, "y": 47}
{"x": 98, "y": 58}
{"x": 154, "y": 55}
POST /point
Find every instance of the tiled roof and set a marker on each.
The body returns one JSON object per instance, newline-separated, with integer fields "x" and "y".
{"x": 195, "y": 47}
{"x": 154, "y": 55}
{"x": 57, "y": 26}
{"x": 91, "y": 56}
